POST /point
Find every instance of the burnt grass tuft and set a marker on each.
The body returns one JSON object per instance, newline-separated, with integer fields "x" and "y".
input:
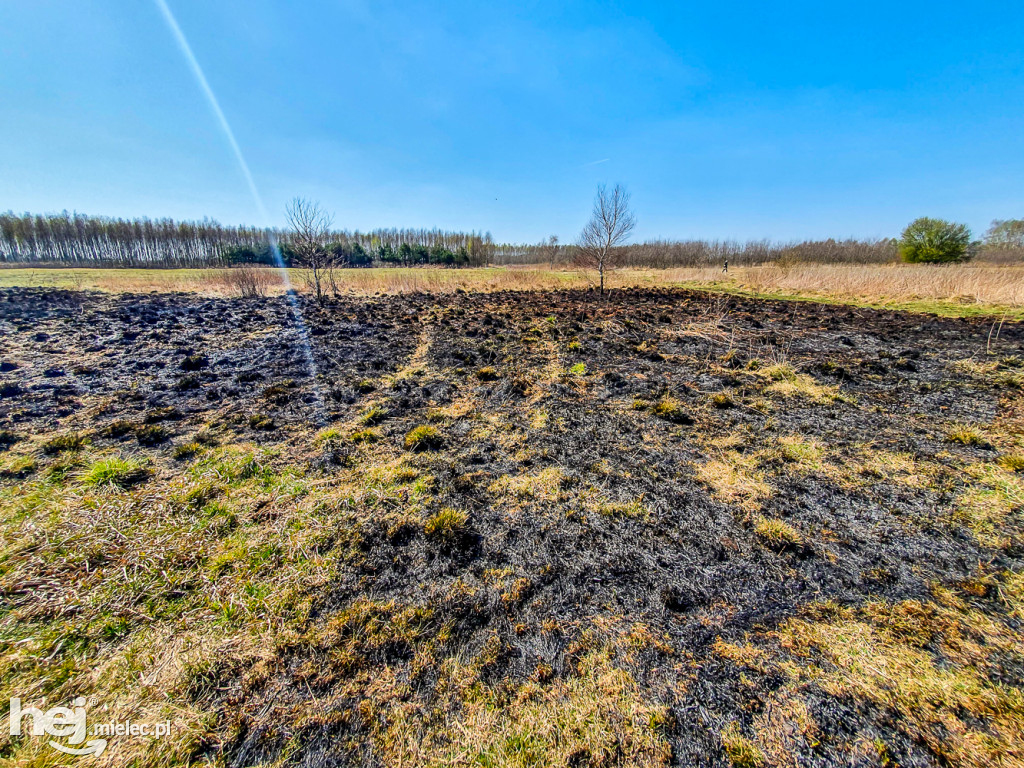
{"x": 664, "y": 528}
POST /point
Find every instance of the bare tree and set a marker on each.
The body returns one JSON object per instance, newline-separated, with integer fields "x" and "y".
{"x": 311, "y": 228}
{"x": 609, "y": 227}
{"x": 550, "y": 250}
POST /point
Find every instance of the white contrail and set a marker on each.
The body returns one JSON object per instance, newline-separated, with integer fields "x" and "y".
{"x": 214, "y": 105}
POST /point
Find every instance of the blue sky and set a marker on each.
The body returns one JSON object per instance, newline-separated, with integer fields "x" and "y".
{"x": 725, "y": 120}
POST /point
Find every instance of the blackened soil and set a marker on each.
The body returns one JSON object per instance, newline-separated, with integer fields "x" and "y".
{"x": 692, "y": 569}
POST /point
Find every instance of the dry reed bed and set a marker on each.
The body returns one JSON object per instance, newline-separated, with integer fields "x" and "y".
{"x": 983, "y": 284}
{"x": 1001, "y": 285}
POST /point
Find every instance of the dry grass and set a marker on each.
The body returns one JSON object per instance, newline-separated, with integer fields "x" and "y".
{"x": 969, "y": 284}
{"x": 777, "y": 534}
{"x": 128, "y": 582}
{"x": 787, "y": 382}
{"x": 992, "y": 498}
{"x": 741, "y": 751}
{"x": 951, "y": 289}
{"x": 595, "y": 716}
{"x": 801, "y": 452}
{"x": 880, "y": 464}
{"x": 542, "y": 486}
{"x": 735, "y": 479}
{"x": 211, "y": 282}
{"x": 921, "y": 664}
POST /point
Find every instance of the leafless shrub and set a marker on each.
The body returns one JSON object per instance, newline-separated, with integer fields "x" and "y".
{"x": 247, "y": 281}
{"x": 994, "y": 254}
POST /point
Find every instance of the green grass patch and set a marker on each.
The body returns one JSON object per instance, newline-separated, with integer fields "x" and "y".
{"x": 116, "y": 473}
{"x": 446, "y": 524}
{"x": 423, "y": 438}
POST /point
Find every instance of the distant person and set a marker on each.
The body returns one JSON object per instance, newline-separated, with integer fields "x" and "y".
{"x": 725, "y": 266}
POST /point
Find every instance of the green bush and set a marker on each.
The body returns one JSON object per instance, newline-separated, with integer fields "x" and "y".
{"x": 934, "y": 241}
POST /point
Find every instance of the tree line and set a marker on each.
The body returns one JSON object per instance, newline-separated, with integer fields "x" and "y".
{"x": 80, "y": 240}
{"x": 663, "y": 254}
{"x": 74, "y": 239}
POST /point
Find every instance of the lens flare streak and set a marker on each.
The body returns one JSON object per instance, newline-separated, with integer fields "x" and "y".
{"x": 211, "y": 98}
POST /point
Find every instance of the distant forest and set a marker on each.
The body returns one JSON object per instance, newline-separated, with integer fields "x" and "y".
{"x": 93, "y": 241}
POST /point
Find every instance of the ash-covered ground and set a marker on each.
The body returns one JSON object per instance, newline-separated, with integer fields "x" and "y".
{"x": 661, "y": 527}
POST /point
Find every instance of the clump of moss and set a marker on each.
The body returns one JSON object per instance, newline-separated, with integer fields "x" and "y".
{"x": 162, "y": 414}
{"x": 63, "y": 468}
{"x": 364, "y": 436}
{"x": 187, "y": 450}
{"x": 446, "y": 524}
{"x": 487, "y": 373}
{"x": 194, "y": 362}
{"x": 671, "y": 409}
{"x": 966, "y": 435}
{"x": 328, "y": 438}
{"x": 374, "y": 415}
{"x": 18, "y": 468}
{"x": 116, "y": 429}
{"x": 188, "y": 382}
{"x": 722, "y": 400}
{"x": 72, "y": 441}
{"x": 777, "y": 534}
{"x": 151, "y": 434}
{"x": 741, "y": 751}
{"x": 262, "y": 422}
{"x": 280, "y": 392}
{"x": 1011, "y": 462}
{"x": 423, "y": 438}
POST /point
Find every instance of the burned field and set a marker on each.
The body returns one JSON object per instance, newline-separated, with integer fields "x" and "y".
{"x": 523, "y": 529}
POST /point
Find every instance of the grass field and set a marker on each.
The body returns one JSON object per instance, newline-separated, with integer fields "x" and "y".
{"x": 956, "y": 291}
{"x": 513, "y": 529}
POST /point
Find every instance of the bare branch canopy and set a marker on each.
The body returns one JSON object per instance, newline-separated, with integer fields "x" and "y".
{"x": 311, "y": 228}
{"x": 611, "y": 223}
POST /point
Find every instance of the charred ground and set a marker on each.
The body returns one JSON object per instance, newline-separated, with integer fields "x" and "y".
{"x": 522, "y": 529}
